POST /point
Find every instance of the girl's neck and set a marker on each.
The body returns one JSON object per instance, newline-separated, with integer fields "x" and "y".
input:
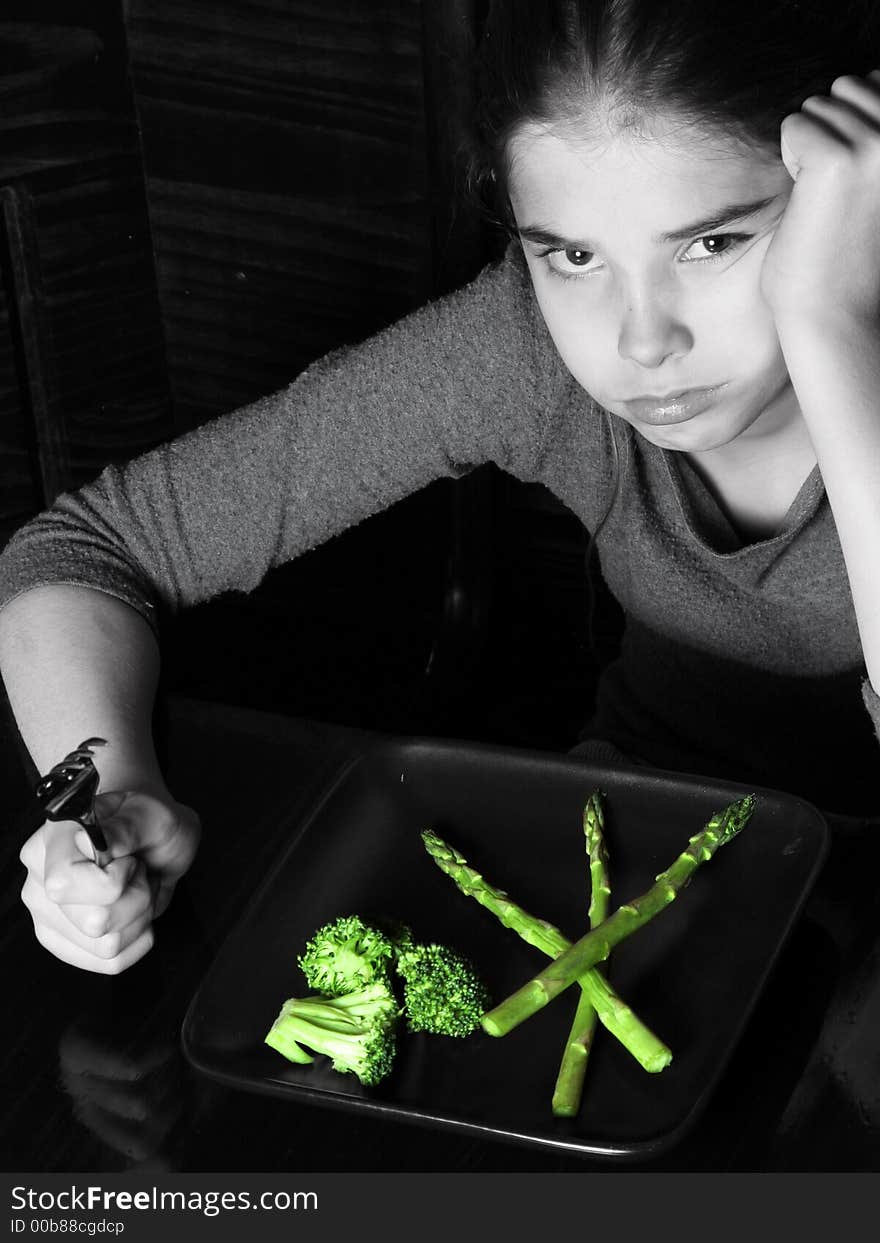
{"x": 756, "y": 477}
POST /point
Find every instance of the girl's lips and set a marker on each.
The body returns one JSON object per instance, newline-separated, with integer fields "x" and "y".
{"x": 673, "y": 407}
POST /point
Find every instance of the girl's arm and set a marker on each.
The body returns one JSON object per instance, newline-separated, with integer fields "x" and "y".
{"x": 834, "y": 363}
{"x": 821, "y": 277}
{"x": 462, "y": 381}
{"x": 76, "y": 664}
{"x": 469, "y": 379}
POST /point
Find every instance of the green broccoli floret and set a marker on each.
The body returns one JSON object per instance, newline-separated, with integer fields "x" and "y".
{"x": 357, "y": 1031}
{"x": 345, "y": 955}
{"x": 443, "y": 993}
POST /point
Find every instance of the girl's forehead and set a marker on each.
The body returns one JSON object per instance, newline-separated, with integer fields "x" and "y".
{"x": 566, "y": 176}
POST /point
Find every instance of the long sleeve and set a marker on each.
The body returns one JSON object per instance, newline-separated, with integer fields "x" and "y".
{"x": 467, "y": 379}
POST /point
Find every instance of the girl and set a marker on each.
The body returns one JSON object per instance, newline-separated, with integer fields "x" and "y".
{"x": 682, "y": 342}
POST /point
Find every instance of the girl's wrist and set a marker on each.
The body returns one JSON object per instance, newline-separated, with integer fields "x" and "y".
{"x": 833, "y": 360}
{"x": 825, "y": 323}
{"x": 132, "y": 772}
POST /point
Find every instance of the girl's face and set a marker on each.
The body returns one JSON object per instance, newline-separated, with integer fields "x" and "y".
{"x": 645, "y": 252}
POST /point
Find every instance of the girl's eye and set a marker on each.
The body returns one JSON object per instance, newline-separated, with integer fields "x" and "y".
{"x": 714, "y": 245}
{"x": 570, "y": 262}
{"x": 577, "y": 258}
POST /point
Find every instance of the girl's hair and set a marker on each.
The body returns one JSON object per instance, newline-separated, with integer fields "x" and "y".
{"x": 739, "y": 66}
{"x": 734, "y": 66}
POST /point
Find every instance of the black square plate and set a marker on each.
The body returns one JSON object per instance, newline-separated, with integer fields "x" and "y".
{"x": 693, "y": 976}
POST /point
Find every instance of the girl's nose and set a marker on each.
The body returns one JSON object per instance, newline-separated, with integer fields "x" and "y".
{"x": 651, "y": 332}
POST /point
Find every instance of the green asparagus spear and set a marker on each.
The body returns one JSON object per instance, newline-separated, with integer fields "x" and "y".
{"x": 596, "y": 945}
{"x": 573, "y": 1068}
{"x": 613, "y": 1012}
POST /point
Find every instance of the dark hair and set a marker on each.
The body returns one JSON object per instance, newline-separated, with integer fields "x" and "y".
{"x": 740, "y": 65}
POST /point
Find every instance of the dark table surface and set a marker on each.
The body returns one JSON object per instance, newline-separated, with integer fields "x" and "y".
{"x": 94, "y": 1078}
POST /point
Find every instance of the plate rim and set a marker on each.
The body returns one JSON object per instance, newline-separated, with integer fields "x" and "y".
{"x": 634, "y": 1150}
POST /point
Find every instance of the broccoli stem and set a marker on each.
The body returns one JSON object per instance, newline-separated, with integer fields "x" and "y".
{"x": 596, "y": 945}
{"x": 356, "y": 1031}
{"x": 285, "y": 1044}
{"x": 569, "y": 1087}
{"x": 612, "y": 1011}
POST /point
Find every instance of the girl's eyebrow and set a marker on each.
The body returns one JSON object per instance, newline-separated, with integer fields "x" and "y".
{"x": 724, "y": 216}
{"x": 717, "y": 220}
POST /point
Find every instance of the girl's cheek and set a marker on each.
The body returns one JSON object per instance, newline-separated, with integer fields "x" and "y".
{"x": 574, "y": 323}
{"x": 734, "y": 298}
{"x": 746, "y": 275}
{"x": 579, "y": 325}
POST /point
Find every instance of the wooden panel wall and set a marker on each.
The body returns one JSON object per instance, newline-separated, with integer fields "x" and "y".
{"x": 20, "y": 491}
{"x": 291, "y": 185}
{"x": 83, "y": 365}
{"x": 286, "y": 175}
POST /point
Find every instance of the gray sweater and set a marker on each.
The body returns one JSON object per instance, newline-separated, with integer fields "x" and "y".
{"x": 738, "y": 660}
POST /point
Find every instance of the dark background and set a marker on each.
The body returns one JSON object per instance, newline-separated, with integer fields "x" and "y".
{"x": 200, "y": 198}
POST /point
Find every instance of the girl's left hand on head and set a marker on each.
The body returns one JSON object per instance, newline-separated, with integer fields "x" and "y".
{"x": 824, "y": 259}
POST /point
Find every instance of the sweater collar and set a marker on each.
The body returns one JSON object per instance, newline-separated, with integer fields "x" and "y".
{"x": 710, "y": 526}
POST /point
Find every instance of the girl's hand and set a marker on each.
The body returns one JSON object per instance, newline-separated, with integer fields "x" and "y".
{"x": 101, "y": 919}
{"x": 824, "y": 259}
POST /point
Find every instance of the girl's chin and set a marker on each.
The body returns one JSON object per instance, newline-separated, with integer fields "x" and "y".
{"x": 701, "y": 434}
{"x": 694, "y": 436}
